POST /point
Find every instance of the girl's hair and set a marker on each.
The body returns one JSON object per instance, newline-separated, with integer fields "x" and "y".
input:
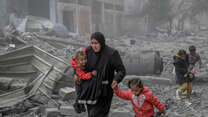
{"x": 80, "y": 53}
{"x": 137, "y": 82}
{"x": 192, "y": 48}
{"x": 181, "y": 52}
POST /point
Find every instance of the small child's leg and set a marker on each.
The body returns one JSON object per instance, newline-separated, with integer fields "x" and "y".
{"x": 182, "y": 88}
{"x": 76, "y": 104}
{"x": 189, "y": 91}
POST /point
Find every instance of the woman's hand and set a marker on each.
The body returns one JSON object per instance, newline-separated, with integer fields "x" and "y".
{"x": 193, "y": 71}
{"x": 77, "y": 80}
{"x": 94, "y": 73}
{"x": 114, "y": 85}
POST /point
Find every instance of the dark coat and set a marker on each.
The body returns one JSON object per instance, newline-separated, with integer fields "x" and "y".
{"x": 110, "y": 67}
{"x": 107, "y": 62}
{"x": 181, "y": 68}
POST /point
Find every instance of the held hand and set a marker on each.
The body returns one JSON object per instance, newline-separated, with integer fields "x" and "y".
{"x": 77, "y": 80}
{"x": 114, "y": 85}
{"x": 193, "y": 71}
{"x": 94, "y": 73}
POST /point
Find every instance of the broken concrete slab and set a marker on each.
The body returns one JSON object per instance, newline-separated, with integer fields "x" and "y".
{"x": 67, "y": 110}
{"x": 66, "y": 93}
{"x": 51, "y": 112}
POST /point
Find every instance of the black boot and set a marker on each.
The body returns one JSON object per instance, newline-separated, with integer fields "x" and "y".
{"x": 82, "y": 108}
{"x": 77, "y": 108}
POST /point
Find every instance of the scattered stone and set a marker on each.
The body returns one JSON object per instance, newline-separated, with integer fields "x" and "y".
{"x": 66, "y": 93}
{"x": 67, "y": 110}
{"x": 51, "y": 112}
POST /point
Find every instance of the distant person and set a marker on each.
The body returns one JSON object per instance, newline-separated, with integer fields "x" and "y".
{"x": 110, "y": 70}
{"x": 193, "y": 57}
{"x": 79, "y": 66}
{"x": 142, "y": 99}
{"x": 183, "y": 74}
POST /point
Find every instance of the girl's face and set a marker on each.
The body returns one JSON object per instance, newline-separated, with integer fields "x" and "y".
{"x": 135, "y": 90}
{"x": 95, "y": 45}
{"x": 82, "y": 60}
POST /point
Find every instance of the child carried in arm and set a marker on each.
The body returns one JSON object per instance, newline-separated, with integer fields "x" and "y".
{"x": 81, "y": 76}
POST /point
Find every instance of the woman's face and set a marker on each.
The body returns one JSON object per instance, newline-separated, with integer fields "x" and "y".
{"x": 95, "y": 45}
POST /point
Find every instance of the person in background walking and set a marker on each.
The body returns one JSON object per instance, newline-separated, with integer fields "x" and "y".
{"x": 183, "y": 74}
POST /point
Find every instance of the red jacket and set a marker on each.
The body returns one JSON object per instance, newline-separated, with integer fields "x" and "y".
{"x": 79, "y": 71}
{"x": 142, "y": 104}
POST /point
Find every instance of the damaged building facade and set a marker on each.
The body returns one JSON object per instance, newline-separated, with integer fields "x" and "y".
{"x": 86, "y": 16}
{"x": 79, "y": 16}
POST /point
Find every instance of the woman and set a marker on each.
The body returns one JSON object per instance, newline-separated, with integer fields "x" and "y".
{"x": 106, "y": 61}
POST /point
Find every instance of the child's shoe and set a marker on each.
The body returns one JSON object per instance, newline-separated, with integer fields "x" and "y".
{"x": 178, "y": 97}
{"x": 187, "y": 103}
{"x": 77, "y": 108}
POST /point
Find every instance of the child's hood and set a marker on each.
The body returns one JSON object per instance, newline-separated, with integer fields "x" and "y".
{"x": 145, "y": 90}
{"x": 74, "y": 63}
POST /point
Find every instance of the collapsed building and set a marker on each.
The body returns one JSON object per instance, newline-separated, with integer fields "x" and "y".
{"x": 33, "y": 62}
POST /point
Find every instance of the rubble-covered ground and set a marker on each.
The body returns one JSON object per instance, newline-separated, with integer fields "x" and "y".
{"x": 167, "y": 46}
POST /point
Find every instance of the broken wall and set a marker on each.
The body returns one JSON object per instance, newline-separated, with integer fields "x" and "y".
{"x": 78, "y": 17}
{"x": 3, "y": 13}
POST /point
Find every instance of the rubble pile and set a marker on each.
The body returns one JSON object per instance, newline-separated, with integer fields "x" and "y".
{"x": 167, "y": 46}
{"x": 176, "y": 108}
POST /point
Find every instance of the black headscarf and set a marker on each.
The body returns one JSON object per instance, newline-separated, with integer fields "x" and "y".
{"x": 99, "y": 37}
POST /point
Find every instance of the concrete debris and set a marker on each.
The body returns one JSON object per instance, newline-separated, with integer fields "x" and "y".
{"x": 51, "y": 112}
{"x": 58, "y": 30}
{"x": 162, "y": 85}
{"x": 67, "y": 110}
{"x": 66, "y": 93}
{"x": 38, "y": 24}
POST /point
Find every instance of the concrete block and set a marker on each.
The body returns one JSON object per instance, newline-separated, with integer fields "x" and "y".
{"x": 66, "y": 93}
{"x": 67, "y": 110}
{"x": 51, "y": 112}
